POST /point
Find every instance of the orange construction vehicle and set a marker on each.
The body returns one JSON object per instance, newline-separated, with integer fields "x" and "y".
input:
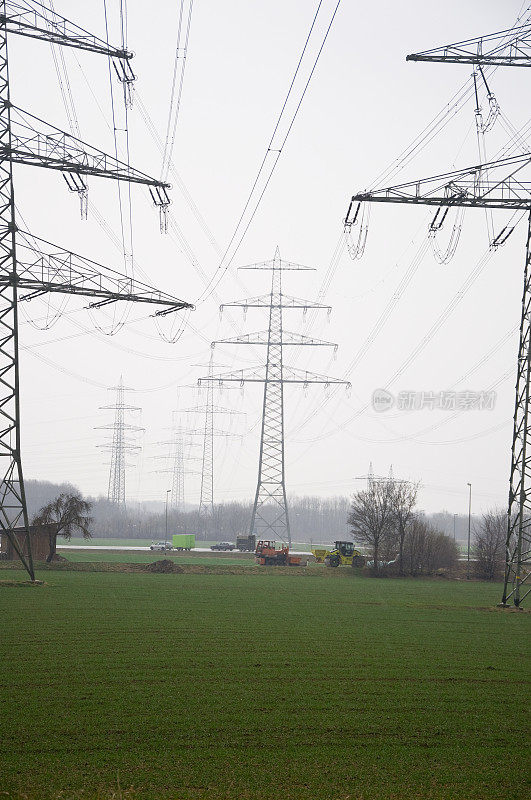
{"x": 267, "y": 553}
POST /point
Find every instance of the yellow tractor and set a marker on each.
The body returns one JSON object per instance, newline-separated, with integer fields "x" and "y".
{"x": 343, "y": 553}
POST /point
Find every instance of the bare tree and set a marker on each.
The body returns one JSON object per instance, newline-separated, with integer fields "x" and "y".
{"x": 371, "y": 517}
{"x": 66, "y": 513}
{"x": 404, "y": 499}
{"x": 489, "y": 542}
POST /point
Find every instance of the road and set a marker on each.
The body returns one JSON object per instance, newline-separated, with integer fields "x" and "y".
{"x": 125, "y": 549}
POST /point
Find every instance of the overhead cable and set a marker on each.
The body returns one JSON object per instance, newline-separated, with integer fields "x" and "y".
{"x": 268, "y": 165}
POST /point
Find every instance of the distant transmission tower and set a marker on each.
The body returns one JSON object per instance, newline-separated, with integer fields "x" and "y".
{"x": 119, "y": 445}
{"x": 270, "y": 518}
{"x": 369, "y": 477}
{"x": 29, "y": 266}
{"x": 177, "y": 484}
{"x": 206, "y": 497}
{"x": 499, "y": 184}
{"x": 177, "y": 465}
{"x": 209, "y": 411}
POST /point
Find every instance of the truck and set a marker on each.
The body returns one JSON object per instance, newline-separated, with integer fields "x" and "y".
{"x": 183, "y": 541}
{"x": 343, "y": 553}
{"x": 266, "y": 553}
{"x": 246, "y": 543}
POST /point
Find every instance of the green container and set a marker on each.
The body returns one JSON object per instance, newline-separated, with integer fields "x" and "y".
{"x": 183, "y": 541}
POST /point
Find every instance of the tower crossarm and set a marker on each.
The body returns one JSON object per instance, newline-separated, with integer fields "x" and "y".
{"x": 35, "y": 21}
{"x": 264, "y": 301}
{"x": 510, "y": 48}
{"x": 213, "y": 410}
{"x": 124, "y": 444}
{"x": 45, "y": 267}
{"x": 123, "y": 408}
{"x": 197, "y": 432}
{"x": 279, "y": 264}
{"x": 288, "y": 338}
{"x": 39, "y": 144}
{"x": 258, "y": 375}
{"x": 506, "y": 187}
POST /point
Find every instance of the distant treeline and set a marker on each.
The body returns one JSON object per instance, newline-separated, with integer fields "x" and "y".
{"x": 320, "y": 519}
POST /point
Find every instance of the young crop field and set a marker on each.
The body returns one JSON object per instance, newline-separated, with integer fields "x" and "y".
{"x": 318, "y": 686}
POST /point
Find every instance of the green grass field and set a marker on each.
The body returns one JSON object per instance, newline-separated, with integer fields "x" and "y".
{"x": 317, "y": 686}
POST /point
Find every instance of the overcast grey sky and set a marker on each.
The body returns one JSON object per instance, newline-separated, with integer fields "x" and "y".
{"x": 364, "y": 105}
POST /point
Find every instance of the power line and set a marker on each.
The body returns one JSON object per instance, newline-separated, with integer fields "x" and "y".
{"x": 265, "y": 172}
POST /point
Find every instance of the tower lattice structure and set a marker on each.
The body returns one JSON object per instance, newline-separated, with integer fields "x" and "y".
{"x": 177, "y": 463}
{"x": 270, "y": 515}
{"x": 502, "y": 184}
{"x": 120, "y": 444}
{"x": 30, "y": 266}
{"x": 177, "y": 484}
{"x": 209, "y": 411}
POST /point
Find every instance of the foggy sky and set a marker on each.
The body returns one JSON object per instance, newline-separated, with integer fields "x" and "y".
{"x": 363, "y": 107}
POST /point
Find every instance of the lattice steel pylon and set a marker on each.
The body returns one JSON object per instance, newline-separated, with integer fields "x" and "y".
{"x": 270, "y": 515}
{"x": 178, "y": 464}
{"x": 206, "y": 497}
{"x": 506, "y": 187}
{"x": 119, "y": 445}
{"x": 177, "y": 483}
{"x": 24, "y": 139}
{"x": 205, "y": 512}
{"x": 509, "y": 48}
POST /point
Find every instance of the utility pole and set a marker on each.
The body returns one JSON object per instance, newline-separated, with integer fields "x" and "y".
{"x": 270, "y": 517}
{"x": 469, "y": 521}
{"x": 509, "y": 48}
{"x": 119, "y": 445}
{"x": 25, "y": 139}
{"x": 455, "y": 517}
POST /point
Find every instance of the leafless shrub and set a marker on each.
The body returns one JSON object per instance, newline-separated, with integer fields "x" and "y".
{"x": 489, "y": 544}
{"x": 426, "y": 550}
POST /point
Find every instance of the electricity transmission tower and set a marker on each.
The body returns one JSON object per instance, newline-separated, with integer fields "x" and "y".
{"x": 206, "y": 498}
{"x": 510, "y": 48}
{"x": 119, "y": 445}
{"x": 177, "y": 484}
{"x": 270, "y": 517}
{"x": 209, "y": 411}
{"x": 207, "y": 434}
{"x": 178, "y": 469}
{"x": 41, "y": 266}
{"x": 373, "y": 479}
{"x": 505, "y": 187}
{"x": 369, "y": 477}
